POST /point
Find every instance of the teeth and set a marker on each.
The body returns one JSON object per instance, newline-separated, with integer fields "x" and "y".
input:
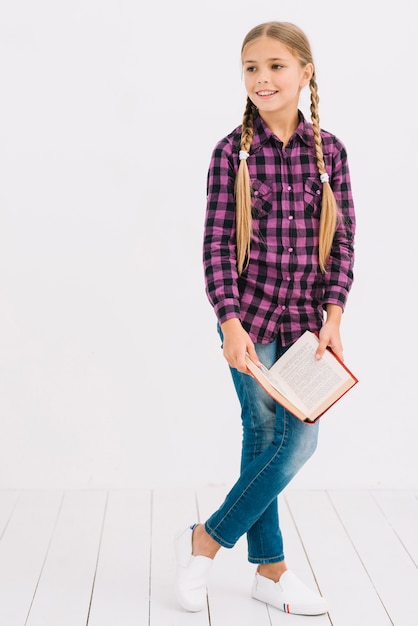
{"x": 265, "y": 93}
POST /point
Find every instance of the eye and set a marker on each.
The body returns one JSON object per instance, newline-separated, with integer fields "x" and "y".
{"x": 276, "y": 66}
{"x": 251, "y": 68}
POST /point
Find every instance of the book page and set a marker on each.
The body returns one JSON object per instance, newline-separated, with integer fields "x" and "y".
{"x": 272, "y": 379}
{"x": 305, "y": 381}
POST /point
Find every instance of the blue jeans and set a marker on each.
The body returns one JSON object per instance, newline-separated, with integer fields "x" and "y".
{"x": 275, "y": 446}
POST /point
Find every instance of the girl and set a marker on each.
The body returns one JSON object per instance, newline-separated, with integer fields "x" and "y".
{"x": 278, "y": 260}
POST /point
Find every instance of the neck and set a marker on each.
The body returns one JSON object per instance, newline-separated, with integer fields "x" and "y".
{"x": 282, "y": 127}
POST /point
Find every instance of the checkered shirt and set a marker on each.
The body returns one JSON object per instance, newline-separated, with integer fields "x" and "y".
{"x": 282, "y": 292}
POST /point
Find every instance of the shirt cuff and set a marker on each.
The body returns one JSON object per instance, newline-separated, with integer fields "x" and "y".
{"x": 336, "y": 296}
{"x": 227, "y": 309}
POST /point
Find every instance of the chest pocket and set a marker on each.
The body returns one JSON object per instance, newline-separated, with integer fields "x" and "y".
{"x": 312, "y": 195}
{"x": 261, "y": 198}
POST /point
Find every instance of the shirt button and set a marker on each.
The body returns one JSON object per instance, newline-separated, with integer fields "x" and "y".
{"x": 290, "y": 217}
{"x": 290, "y": 249}
{"x": 289, "y": 188}
{"x": 288, "y": 278}
{"x": 318, "y": 192}
{"x": 256, "y": 193}
{"x": 283, "y": 307}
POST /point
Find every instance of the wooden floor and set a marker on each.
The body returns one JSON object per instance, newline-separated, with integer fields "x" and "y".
{"x": 105, "y": 558}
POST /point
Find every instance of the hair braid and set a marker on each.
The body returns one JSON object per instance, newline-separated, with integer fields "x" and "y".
{"x": 328, "y": 218}
{"x": 243, "y": 192}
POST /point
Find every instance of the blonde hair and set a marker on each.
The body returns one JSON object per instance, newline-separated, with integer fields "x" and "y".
{"x": 295, "y": 39}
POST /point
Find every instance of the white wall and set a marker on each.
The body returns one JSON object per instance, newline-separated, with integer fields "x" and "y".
{"x": 110, "y": 368}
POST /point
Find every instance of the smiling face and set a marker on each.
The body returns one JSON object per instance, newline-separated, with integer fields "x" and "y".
{"x": 273, "y": 76}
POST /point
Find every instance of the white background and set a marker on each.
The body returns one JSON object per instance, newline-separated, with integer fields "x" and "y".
{"x": 111, "y": 372}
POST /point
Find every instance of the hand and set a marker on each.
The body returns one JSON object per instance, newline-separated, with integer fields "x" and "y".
{"x": 236, "y": 343}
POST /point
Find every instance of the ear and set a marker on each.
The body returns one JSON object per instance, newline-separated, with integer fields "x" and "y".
{"x": 307, "y": 73}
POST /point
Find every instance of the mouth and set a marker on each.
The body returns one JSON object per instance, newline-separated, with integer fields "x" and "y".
{"x": 265, "y": 93}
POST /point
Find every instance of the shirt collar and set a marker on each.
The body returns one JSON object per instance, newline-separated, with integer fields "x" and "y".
{"x": 262, "y": 134}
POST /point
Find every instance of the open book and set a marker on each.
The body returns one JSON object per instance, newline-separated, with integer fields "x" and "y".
{"x": 303, "y": 385}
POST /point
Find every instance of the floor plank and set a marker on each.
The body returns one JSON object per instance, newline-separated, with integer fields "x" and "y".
{"x": 122, "y": 582}
{"x": 64, "y": 591}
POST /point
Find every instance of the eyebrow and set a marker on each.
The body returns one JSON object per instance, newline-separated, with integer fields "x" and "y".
{"x": 268, "y": 60}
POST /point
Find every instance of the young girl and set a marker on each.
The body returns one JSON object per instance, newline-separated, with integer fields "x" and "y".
{"x": 278, "y": 259}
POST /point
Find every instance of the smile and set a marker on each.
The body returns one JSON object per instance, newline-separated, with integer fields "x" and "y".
{"x": 266, "y": 93}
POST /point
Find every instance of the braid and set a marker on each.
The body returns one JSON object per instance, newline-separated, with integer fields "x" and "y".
{"x": 243, "y": 192}
{"x": 328, "y": 218}
{"x": 247, "y": 126}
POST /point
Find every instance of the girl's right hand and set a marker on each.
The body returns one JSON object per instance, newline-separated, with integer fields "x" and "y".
{"x": 236, "y": 342}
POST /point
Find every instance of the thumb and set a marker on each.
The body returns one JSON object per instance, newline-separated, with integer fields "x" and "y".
{"x": 322, "y": 346}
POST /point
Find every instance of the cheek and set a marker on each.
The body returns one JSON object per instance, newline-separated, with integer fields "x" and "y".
{"x": 249, "y": 80}
{"x": 246, "y": 83}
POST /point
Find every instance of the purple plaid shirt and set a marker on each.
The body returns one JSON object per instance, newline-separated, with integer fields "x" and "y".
{"x": 282, "y": 292}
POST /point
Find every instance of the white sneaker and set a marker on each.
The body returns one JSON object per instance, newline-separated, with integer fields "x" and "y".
{"x": 192, "y": 573}
{"x": 289, "y": 595}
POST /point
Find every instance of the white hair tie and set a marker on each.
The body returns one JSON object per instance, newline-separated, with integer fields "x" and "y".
{"x": 243, "y": 155}
{"x": 324, "y": 178}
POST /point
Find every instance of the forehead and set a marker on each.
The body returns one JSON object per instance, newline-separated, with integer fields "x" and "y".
{"x": 266, "y": 48}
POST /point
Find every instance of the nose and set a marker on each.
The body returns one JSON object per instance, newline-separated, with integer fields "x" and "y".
{"x": 262, "y": 79}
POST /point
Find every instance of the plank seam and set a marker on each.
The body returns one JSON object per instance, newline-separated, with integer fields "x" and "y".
{"x": 393, "y": 529}
{"x": 45, "y": 557}
{"x": 98, "y": 557}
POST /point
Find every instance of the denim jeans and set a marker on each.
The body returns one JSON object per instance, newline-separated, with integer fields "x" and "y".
{"x": 275, "y": 446}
